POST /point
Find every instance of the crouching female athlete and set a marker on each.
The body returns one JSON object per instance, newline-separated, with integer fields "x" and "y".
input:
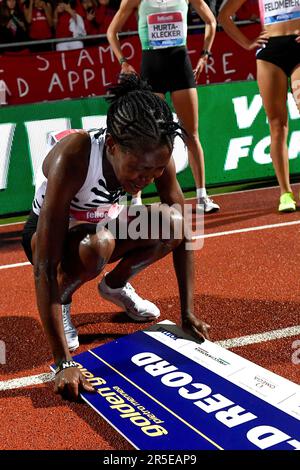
{"x": 82, "y": 178}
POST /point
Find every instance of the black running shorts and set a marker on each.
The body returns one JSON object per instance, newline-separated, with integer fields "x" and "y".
{"x": 168, "y": 69}
{"x": 28, "y": 232}
{"x": 282, "y": 51}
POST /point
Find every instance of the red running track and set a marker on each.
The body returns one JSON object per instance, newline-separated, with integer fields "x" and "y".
{"x": 247, "y": 282}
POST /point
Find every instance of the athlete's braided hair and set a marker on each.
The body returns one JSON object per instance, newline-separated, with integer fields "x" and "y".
{"x": 137, "y": 118}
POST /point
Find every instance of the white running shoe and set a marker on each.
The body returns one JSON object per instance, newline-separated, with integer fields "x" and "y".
{"x": 206, "y": 204}
{"x": 136, "y": 308}
{"x": 69, "y": 328}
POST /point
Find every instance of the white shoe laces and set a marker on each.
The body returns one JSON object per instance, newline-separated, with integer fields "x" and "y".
{"x": 129, "y": 291}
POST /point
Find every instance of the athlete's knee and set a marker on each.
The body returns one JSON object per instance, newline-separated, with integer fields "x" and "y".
{"x": 103, "y": 243}
{"x": 192, "y": 137}
{"x": 296, "y": 92}
{"x": 297, "y": 101}
{"x": 278, "y": 125}
{"x": 96, "y": 250}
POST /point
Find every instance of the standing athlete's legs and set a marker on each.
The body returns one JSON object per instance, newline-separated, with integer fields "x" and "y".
{"x": 186, "y": 106}
{"x": 273, "y": 86}
{"x": 295, "y": 84}
{"x": 137, "y": 198}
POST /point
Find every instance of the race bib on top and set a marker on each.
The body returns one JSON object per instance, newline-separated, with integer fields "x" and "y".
{"x": 277, "y": 11}
{"x": 166, "y": 30}
{"x": 103, "y": 213}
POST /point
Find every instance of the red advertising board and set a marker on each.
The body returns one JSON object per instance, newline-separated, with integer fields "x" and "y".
{"x": 88, "y": 72}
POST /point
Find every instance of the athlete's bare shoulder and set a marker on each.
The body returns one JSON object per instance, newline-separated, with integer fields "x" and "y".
{"x": 73, "y": 149}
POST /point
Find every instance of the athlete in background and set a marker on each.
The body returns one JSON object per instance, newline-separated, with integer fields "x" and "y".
{"x": 278, "y": 60}
{"x": 166, "y": 66}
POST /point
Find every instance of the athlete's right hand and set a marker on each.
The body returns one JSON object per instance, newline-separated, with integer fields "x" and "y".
{"x": 127, "y": 68}
{"x": 70, "y": 382}
{"x": 262, "y": 39}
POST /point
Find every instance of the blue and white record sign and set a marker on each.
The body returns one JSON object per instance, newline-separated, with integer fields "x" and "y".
{"x": 162, "y": 390}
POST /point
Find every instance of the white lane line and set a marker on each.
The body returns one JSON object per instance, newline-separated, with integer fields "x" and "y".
{"x": 26, "y": 381}
{"x": 12, "y": 223}
{"x": 247, "y": 229}
{"x": 227, "y": 344}
{"x": 16, "y": 265}
{"x": 208, "y": 235}
{"x": 240, "y": 191}
{"x": 260, "y": 337}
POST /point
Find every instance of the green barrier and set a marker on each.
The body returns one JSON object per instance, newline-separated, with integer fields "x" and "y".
{"x": 233, "y": 131}
{"x": 235, "y": 134}
{"x": 23, "y": 143}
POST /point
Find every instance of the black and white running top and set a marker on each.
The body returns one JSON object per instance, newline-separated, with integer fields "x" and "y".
{"x": 93, "y": 203}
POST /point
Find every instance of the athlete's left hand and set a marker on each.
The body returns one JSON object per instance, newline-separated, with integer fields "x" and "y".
{"x": 200, "y": 66}
{"x": 195, "y": 327}
{"x": 297, "y": 39}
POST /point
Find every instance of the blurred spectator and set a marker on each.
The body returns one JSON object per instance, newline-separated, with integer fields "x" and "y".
{"x": 215, "y": 5}
{"x": 132, "y": 23}
{"x": 104, "y": 14}
{"x": 248, "y": 11}
{"x": 39, "y": 17}
{"x": 194, "y": 19}
{"x": 68, "y": 23}
{"x": 12, "y": 23}
{"x": 88, "y": 12}
{"x": 78, "y": 18}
